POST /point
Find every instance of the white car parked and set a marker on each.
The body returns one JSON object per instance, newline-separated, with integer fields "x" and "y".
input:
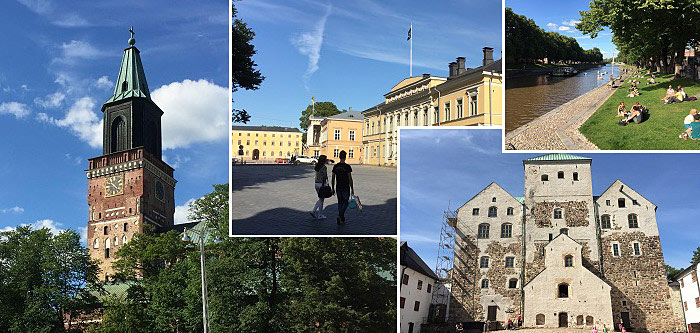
{"x": 305, "y": 160}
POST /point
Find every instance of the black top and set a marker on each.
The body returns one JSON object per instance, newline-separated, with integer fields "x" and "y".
{"x": 342, "y": 175}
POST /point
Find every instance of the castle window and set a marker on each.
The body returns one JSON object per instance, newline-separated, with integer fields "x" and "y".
{"x": 589, "y": 320}
{"x": 569, "y": 261}
{"x": 96, "y": 244}
{"x": 621, "y": 202}
{"x": 637, "y": 249}
{"x": 560, "y": 174}
{"x": 579, "y": 320}
{"x": 484, "y": 262}
{"x": 557, "y": 213}
{"x": 105, "y": 230}
{"x": 632, "y": 219}
{"x": 539, "y": 319}
{"x": 420, "y": 285}
{"x": 106, "y": 253}
{"x": 509, "y": 211}
{"x": 615, "y": 250}
{"x": 484, "y": 283}
{"x": 405, "y": 279}
{"x": 483, "y": 231}
{"x": 509, "y": 262}
{"x": 575, "y": 176}
{"x": 126, "y": 225}
{"x": 506, "y": 230}
{"x": 493, "y": 211}
{"x": 605, "y": 221}
{"x": 563, "y": 290}
{"x": 123, "y": 239}
{"x": 416, "y": 306}
{"x": 694, "y": 276}
{"x": 118, "y": 137}
{"x": 624, "y": 303}
{"x": 607, "y": 202}
{"x": 512, "y": 283}
{"x": 475, "y": 211}
{"x": 429, "y": 288}
{"x": 544, "y": 178}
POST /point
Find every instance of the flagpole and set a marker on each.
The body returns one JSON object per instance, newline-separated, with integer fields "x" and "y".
{"x": 410, "y": 71}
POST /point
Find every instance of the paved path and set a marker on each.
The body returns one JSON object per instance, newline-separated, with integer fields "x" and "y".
{"x": 558, "y": 129}
{"x": 277, "y": 199}
{"x": 550, "y": 330}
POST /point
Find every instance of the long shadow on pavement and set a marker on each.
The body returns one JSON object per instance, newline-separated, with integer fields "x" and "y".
{"x": 373, "y": 220}
{"x": 252, "y": 175}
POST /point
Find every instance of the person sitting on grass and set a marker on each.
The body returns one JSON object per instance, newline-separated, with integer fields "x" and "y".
{"x": 670, "y": 92}
{"x": 621, "y": 110}
{"x": 635, "y": 114}
{"x": 682, "y": 93}
{"x": 694, "y": 130}
{"x": 687, "y": 121}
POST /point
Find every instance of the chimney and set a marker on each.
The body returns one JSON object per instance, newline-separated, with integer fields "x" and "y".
{"x": 453, "y": 68}
{"x": 460, "y": 65}
{"x": 426, "y": 76}
{"x": 488, "y": 55}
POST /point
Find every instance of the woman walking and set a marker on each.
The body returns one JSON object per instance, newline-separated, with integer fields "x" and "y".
{"x": 320, "y": 180}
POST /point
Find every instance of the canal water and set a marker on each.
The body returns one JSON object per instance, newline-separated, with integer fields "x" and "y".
{"x": 532, "y": 96}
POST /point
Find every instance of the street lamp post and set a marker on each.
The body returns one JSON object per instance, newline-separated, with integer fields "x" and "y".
{"x": 205, "y": 299}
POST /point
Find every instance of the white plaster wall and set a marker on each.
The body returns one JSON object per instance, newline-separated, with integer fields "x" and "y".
{"x": 412, "y": 294}
{"x": 587, "y": 292}
{"x": 645, "y": 210}
{"x": 689, "y": 292}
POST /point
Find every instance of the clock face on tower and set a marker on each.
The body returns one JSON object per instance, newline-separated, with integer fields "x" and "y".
{"x": 114, "y": 186}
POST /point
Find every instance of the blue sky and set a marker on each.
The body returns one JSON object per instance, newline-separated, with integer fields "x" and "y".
{"x": 460, "y": 163}
{"x": 559, "y": 16}
{"x": 58, "y": 66}
{"x": 353, "y": 52}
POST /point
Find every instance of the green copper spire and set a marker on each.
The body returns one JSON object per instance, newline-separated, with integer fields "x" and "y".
{"x": 131, "y": 81}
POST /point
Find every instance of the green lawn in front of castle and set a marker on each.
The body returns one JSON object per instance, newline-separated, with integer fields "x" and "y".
{"x": 659, "y": 132}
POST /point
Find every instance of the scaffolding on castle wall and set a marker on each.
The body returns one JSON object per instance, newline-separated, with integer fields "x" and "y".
{"x": 445, "y": 260}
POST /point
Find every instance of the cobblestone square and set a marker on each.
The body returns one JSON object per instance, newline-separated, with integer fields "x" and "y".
{"x": 277, "y": 200}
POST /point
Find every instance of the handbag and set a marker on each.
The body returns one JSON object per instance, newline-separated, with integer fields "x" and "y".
{"x": 354, "y": 203}
{"x": 325, "y": 191}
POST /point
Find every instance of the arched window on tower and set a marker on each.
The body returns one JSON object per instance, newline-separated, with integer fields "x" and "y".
{"x": 605, "y": 221}
{"x": 493, "y": 211}
{"x": 107, "y": 248}
{"x": 96, "y": 243}
{"x": 563, "y": 291}
{"x": 118, "y": 138}
{"x": 545, "y": 178}
{"x": 483, "y": 231}
{"x": 539, "y": 319}
{"x": 506, "y": 230}
{"x": 484, "y": 283}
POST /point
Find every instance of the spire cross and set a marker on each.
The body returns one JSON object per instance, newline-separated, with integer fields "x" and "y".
{"x": 131, "y": 30}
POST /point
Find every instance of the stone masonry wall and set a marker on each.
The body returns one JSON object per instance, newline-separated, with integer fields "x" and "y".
{"x": 575, "y": 213}
{"x": 639, "y": 281}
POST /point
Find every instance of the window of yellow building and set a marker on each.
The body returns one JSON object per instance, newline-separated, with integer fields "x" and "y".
{"x": 473, "y": 110}
{"x": 460, "y": 112}
{"x": 336, "y": 135}
{"x": 351, "y": 154}
{"x": 272, "y": 142}
{"x": 256, "y": 142}
{"x": 352, "y": 135}
{"x": 447, "y": 111}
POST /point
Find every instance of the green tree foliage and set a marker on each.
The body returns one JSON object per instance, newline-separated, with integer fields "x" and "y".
{"x": 254, "y": 284}
{"x": 648, "y": 33}
{"x": 672, "y": 271}
{"x": 526, "y": 43}
{"x": 243, "y": 72}
{"x": 322, "y": 109}
{"x": 43, "y": 277}
{"x": 696, "y": 257}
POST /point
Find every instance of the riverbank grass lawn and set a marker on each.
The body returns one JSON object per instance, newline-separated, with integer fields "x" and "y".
{"x": 659, "y": 132}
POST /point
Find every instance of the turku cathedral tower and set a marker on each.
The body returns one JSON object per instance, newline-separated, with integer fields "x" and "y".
{"x": 129, "y": 185}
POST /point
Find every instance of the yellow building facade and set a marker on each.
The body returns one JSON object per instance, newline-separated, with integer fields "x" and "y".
{"x": 467, "y": 97}
{"x": 331, "y": 135}
{"x": 263, "y": 144}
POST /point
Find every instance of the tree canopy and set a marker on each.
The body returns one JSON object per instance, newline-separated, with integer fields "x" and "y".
{"x": 322, "y": 109}
{"x": 648, "y": 33}
{"x": 526, "y": 43}
{"x": 243, "y": 69}
{"x": 43, "y": 278}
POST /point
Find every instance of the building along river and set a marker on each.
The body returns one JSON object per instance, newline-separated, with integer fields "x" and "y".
{"x": 529, "y": 97}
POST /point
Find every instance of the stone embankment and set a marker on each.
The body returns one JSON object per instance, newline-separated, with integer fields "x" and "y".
{"x": 558, "y": 129}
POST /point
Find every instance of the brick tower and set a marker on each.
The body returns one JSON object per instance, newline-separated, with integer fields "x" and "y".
{"x": 129, "y": 185}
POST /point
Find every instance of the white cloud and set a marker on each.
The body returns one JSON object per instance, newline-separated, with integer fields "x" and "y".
{"x": 80, "y": 49}
{"x": 571, "y": 23}
{"x": 552, "y": 26}
{"x": 51, "y": 100}
{"x": 54, "y": 227}
{"x": 38, "y": 6}
{"x": 83, "y": 234}
{"x": 309, "y": 43}
{"x": 14, "y": 210}
{"x": 81, "y": 120}
{"x": 73, "y": 159}
{"x": 193, "y": 112}
{"x": 18, "y": 110}
{"x": 104, "y": 83}
{"x": 182, "y": 212}
{"x": 417, "y": 238}
{"x": 175, "y": 161}
{"x": 71, "y": 20}
{"x": 565, "y": 28}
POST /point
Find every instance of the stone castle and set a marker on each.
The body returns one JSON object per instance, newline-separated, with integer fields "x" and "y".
{"x": 560, "y": 256}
